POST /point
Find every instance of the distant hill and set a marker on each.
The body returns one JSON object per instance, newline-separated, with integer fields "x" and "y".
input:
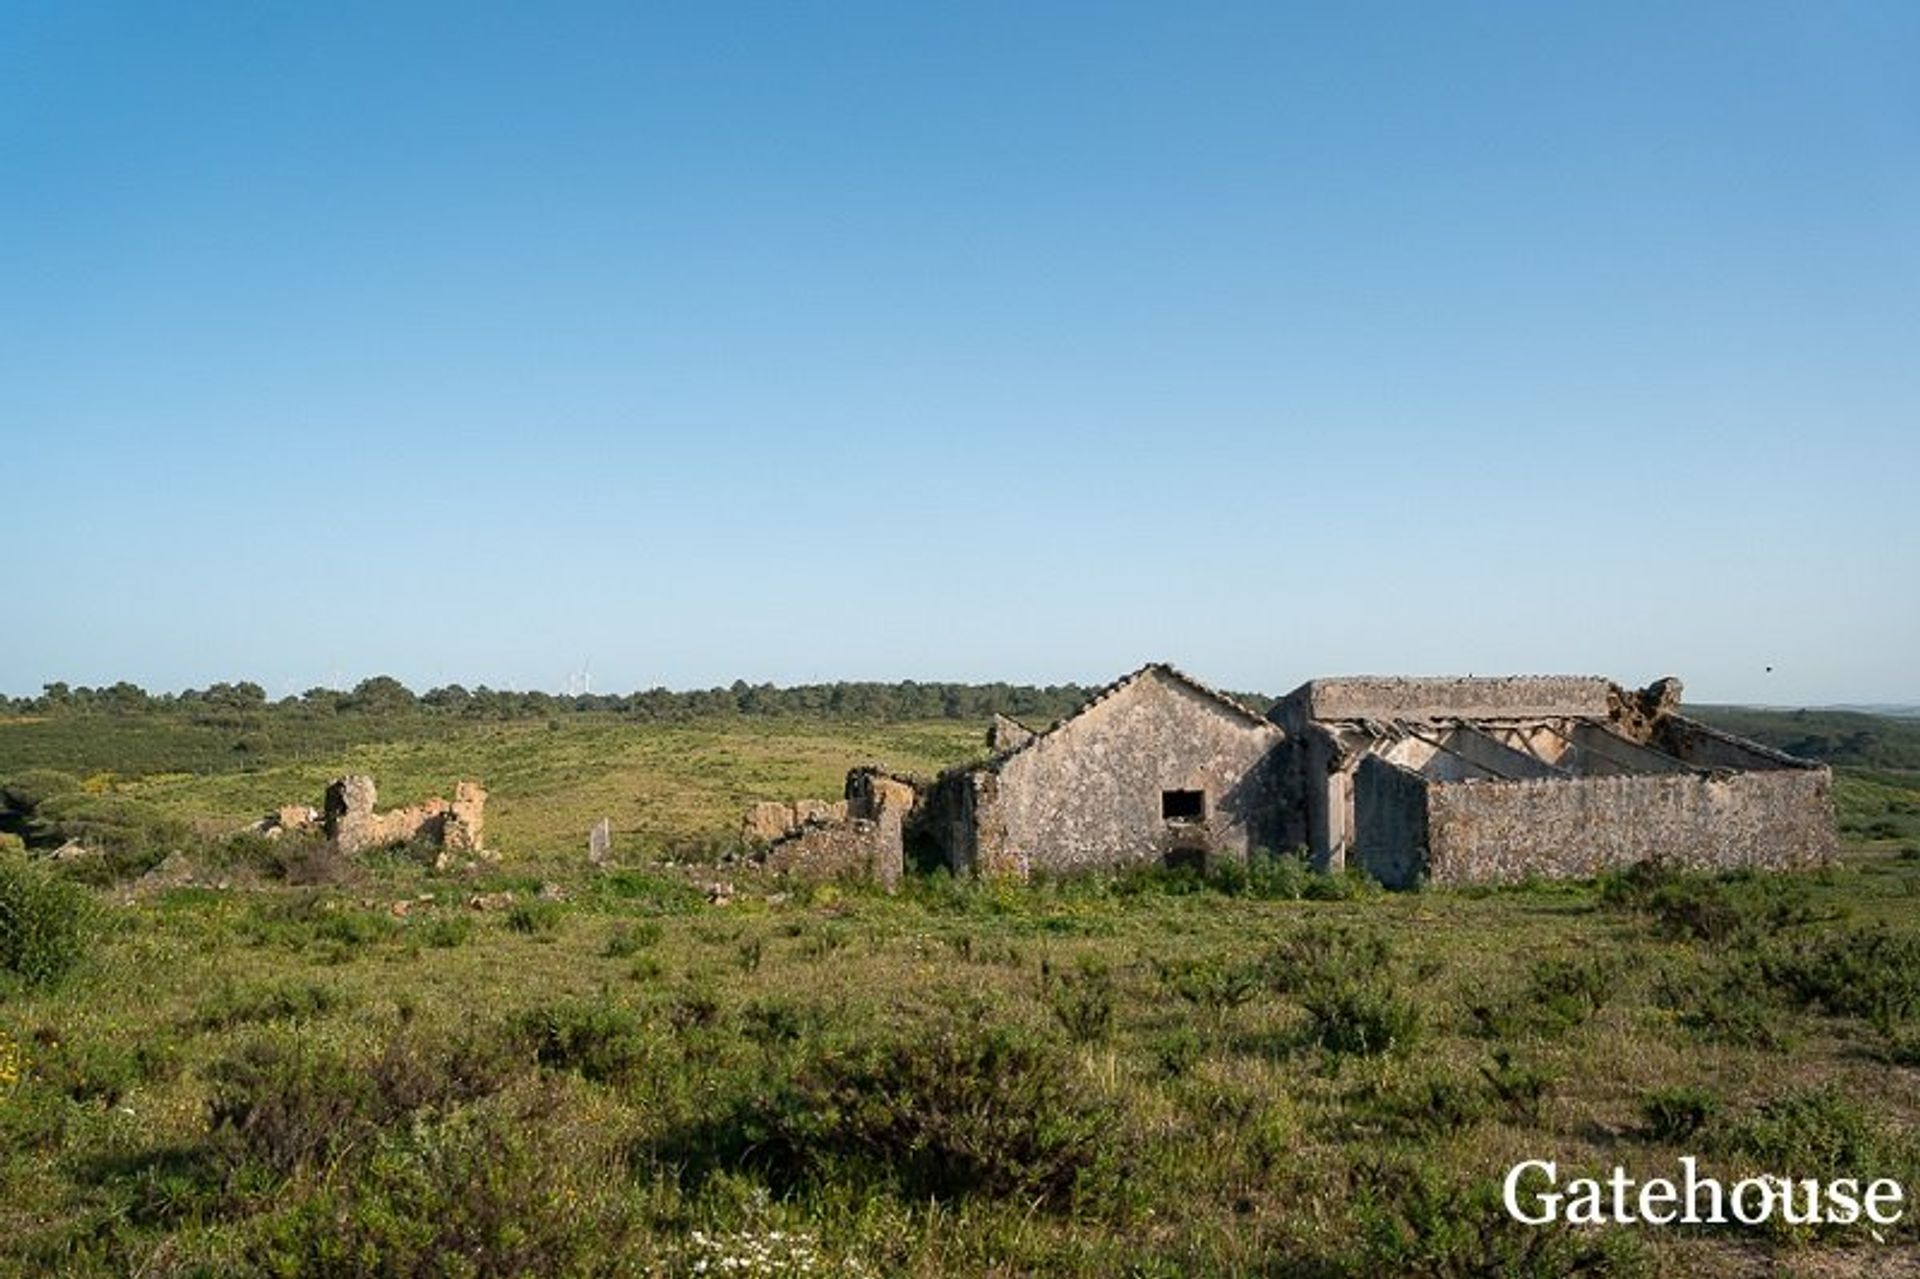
{"x": 1855, "y": 738}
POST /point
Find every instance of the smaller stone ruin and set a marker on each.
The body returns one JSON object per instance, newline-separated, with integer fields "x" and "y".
{"x": 861, "y": 836}
{"x": 452, "y": 830}
{"x": 288, "y": 819}
{"x": 769, "y": 820}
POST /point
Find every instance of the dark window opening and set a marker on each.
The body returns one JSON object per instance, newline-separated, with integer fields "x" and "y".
{"x": 1183, "y": 805}
{"x": 1190, "y": 859}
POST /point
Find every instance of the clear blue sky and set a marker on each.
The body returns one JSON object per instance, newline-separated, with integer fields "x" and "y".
{"x": 989, "y": 341}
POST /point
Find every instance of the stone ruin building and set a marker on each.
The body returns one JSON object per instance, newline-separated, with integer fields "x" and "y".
{"x": 351, "y": 823}
{"x": 1156, "y": 767}
{"x": 862, "y": 836}
{"x": 1444, "y": 781}
{"x": 1454, "y": 781}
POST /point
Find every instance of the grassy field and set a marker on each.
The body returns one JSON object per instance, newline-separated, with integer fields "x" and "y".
{"x": 1143, "y": 1075}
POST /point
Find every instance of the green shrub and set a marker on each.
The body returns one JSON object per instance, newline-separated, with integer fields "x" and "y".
{"x": 1871, "y": 972}
{"x": 1177, "y": 1051}
{"x": 1675, "y": 1115}
{"x": 1732, "y": 1004}
{"x": 958, "y": 1110}
{"x": 45, "y": 924}
{"x": 1324, "y": 955}
{"x": 446, "y": 932}
{"x": 1360, "y": 1019}
{"x": 101, "y": 1069}
{"x": 1216, "y": 982}
{"x": 131, "y": 836}
{"x": 23, "y": 792}
{"x": 1434, "y": 1105}
{"x": 1737, "y": 909}
{"x": 291, "y": 1101}
{"x": 234, "y": 1005}
{"x": 627, "y": 940}
{"x": 351, "y": 928}
{"x": 1413, "y": 1219}
{"x": 1521, "y": 1088}
{"x": 1282, "y": 878}
{"x": 1814, "y": 1132}
{"x": 290, "y": 1104}
{"x": 599, "y": 1041}
{"x": 1559, "y": 994}
{"x": 535, "y": 918}
{"x": 1082, "y": 1000}
{"x": 1349, "y": 885}
{"x": 512, "y": 1186}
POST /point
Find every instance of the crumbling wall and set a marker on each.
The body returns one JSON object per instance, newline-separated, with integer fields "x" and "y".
{"x": 769, "y": 820}
{"x": 1501, "y": 831}
{"x": 861, "y": 836}
{"x": 351, "y": 821}
{"x": 1466, "y": 697}
{"x": 1389, "y": 822}
{"x": 1089, "y": 794}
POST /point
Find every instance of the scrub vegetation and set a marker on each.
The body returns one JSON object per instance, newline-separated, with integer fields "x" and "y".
{"x": 348, "y": 1069}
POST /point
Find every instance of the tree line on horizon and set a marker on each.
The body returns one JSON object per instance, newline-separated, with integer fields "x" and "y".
{"x": 383, "y": 695}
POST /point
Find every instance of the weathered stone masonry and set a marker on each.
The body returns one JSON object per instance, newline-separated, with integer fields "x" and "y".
{"x": 454, "y": 829}
{"x": 1457, "y": 780}
{"x": 1491, "y": 780}
{"x": 1155, "y": 768}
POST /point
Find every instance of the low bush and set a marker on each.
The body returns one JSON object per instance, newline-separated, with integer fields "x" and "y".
{"x": 45, "y": 924}
{"x": 1081, "y": 1000}
{"x": 100, "y": 1070}
{"x": 291, "y": 1101}
{"x": 1215, "y": 982}
{"x": 1870, "y": 972}
{"x": 1415, "y": 1220}
{"x": 963, "y": 1109}
{"x": 1519, "y": 1087}
{"x": 130, "y": 836}
{"x": 1739, "y": 909}
{"x": 1814, "y": 1132}
{"x": 1675, "y": 1115}
{"x": 627, "y": 940}
{"x": 535, "y": 918}
{"x": 599, "y": 1041}
{"x": 507, "y": 1187}
{"x": 1558, "y": 995}
{"x": 446, "y": 932}
{"x": 1360, "y": 1019}
{"x": 23, "y": 792}
{"x": 1324, "y": 955}
{"x": 1435, "y": 1105}
{"x": 236, "y": 1005}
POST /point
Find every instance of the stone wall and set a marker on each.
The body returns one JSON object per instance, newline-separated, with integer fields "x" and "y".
{"x": 1500, "y": 831}
{"x": 352, "y": 822}
{"x": 1389, "y": 836}
{"x": 856, "y": 848}
{"x": 1467, "y": 697}
{"x": 769, "y": 820}
{"x": 1089, "y": 793}
{"x": 861, "y": 836}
